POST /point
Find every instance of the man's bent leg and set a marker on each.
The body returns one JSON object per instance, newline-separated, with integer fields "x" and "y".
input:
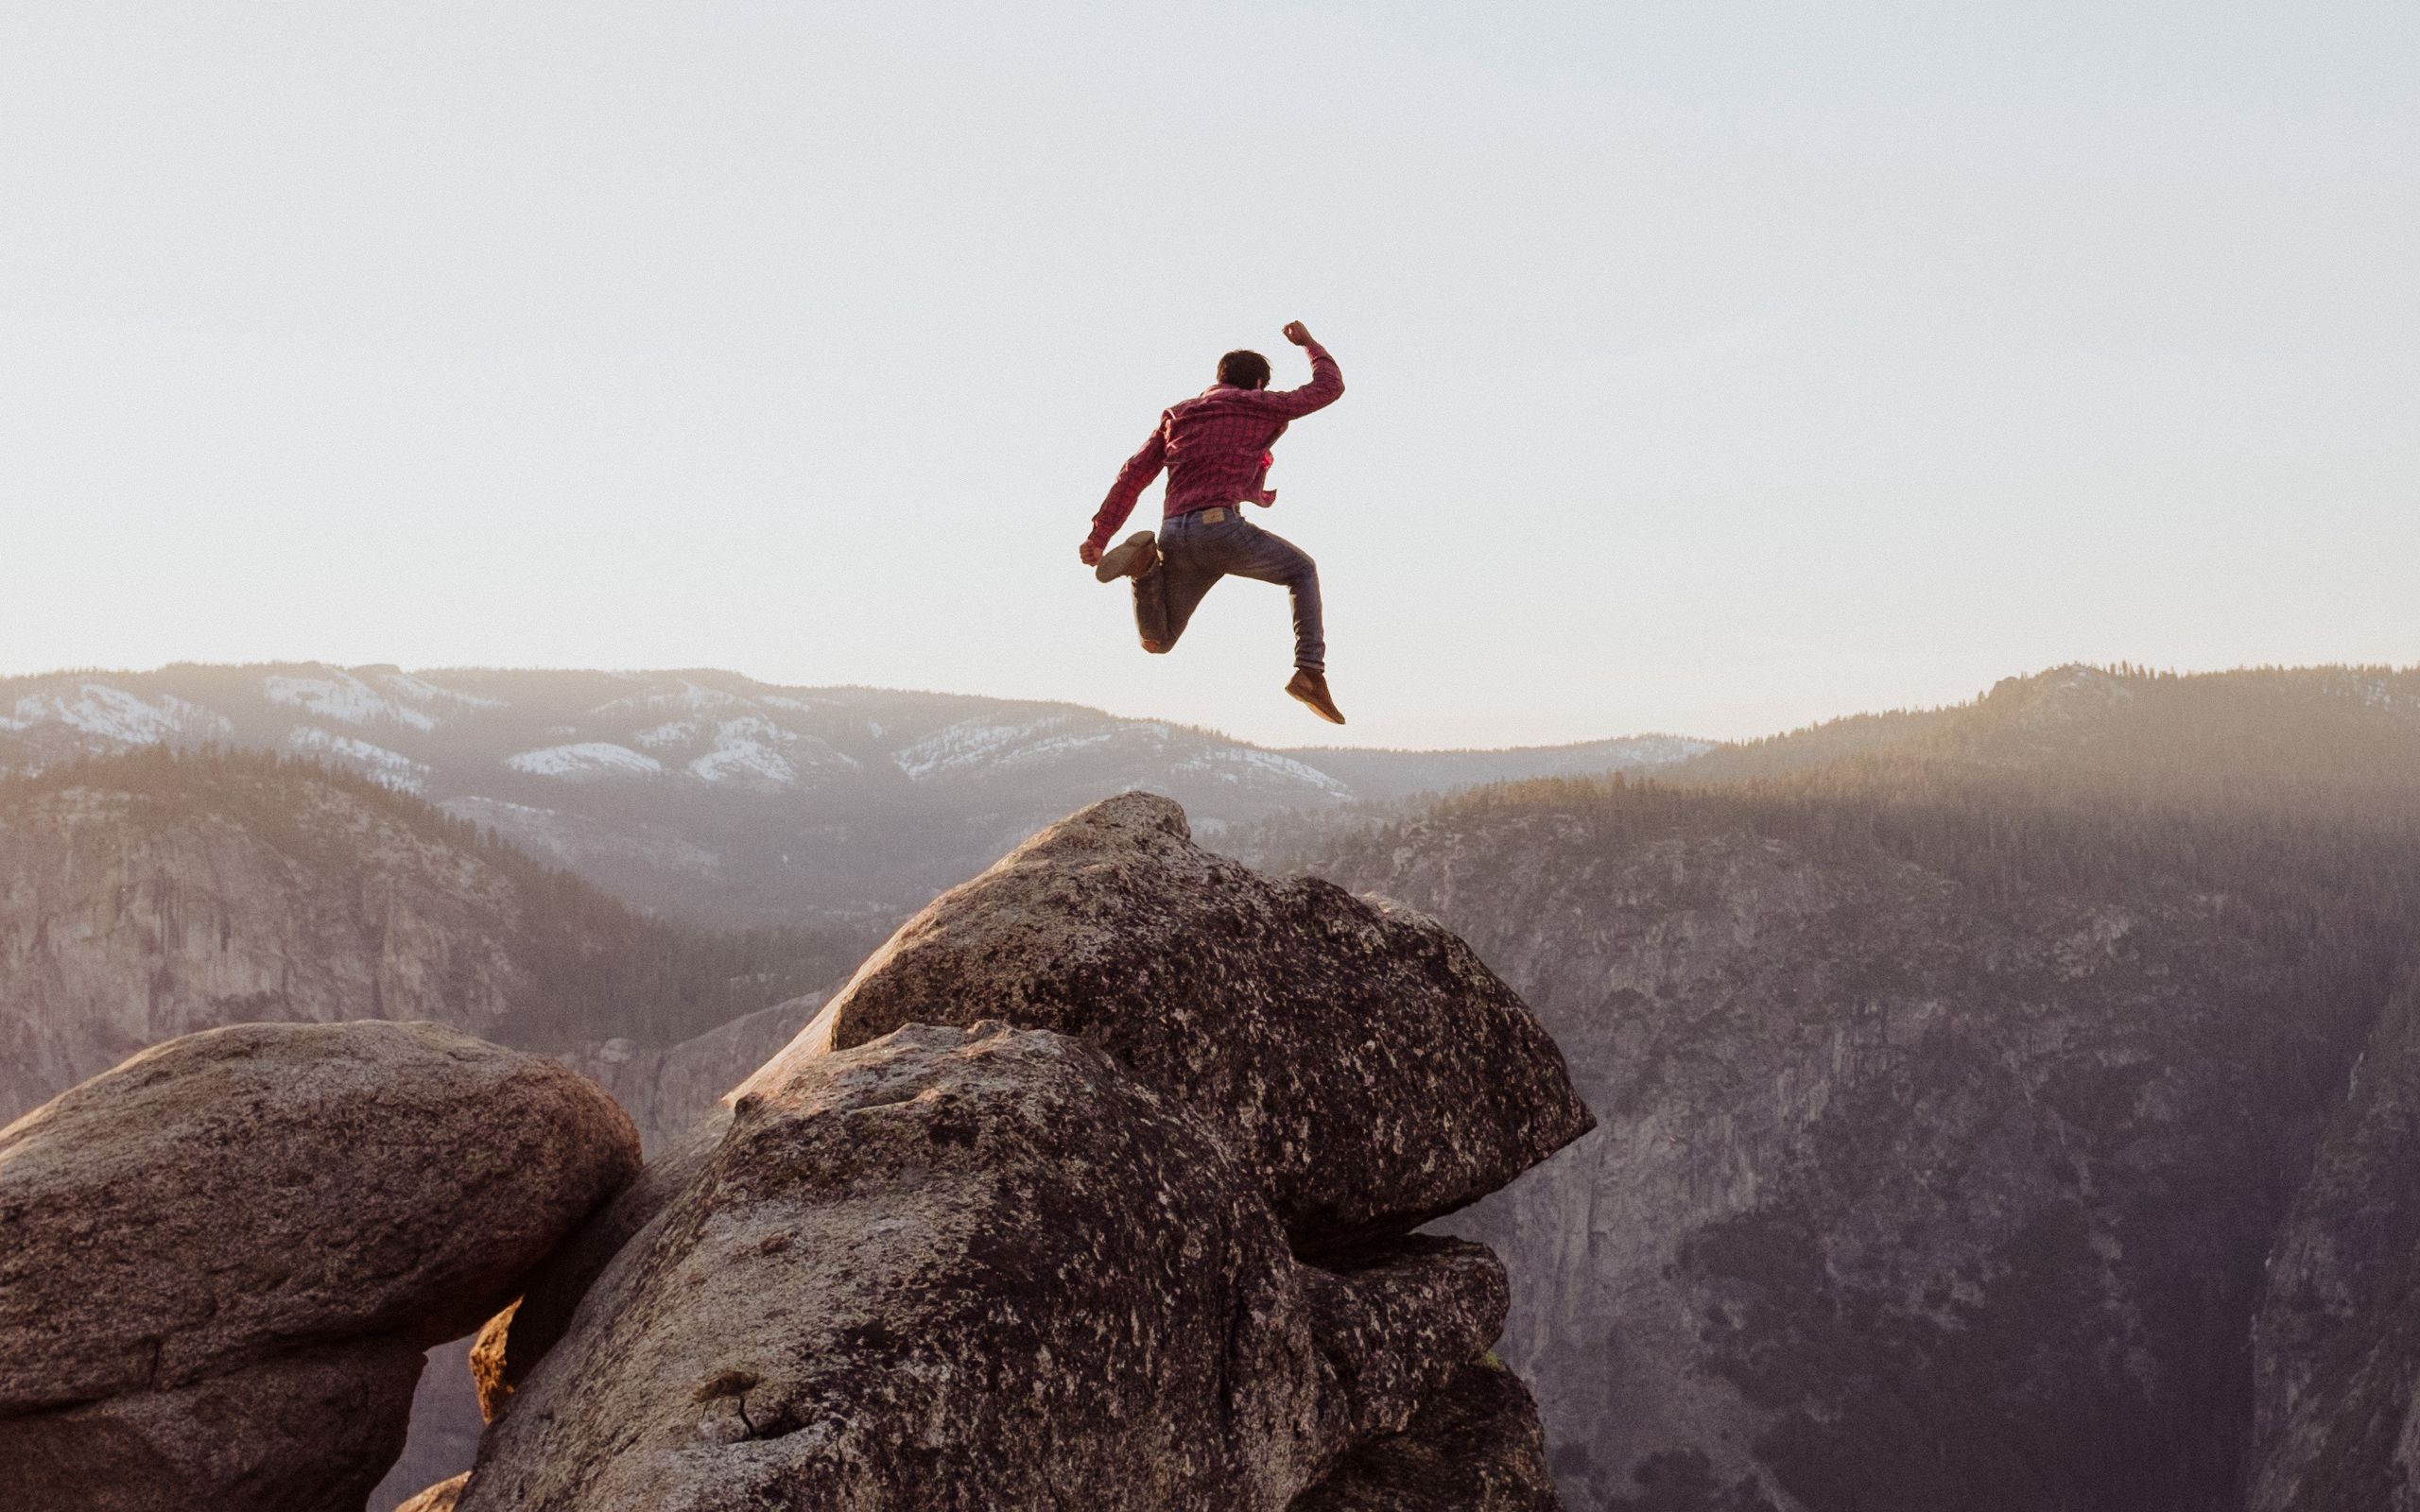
{"x": 1271, "y": 559}
{"x": 1151, "y": 608}
{"x": 1166, "y": 597}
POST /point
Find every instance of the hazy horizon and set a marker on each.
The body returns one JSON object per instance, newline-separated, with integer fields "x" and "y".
{"x": 1333, "y": 739}
{"x": 1708, "y": 372}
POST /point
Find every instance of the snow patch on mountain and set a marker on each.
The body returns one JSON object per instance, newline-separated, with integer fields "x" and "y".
{"x": 1149, "y": 735}
{"x": 1055, "y": 747}
{"x": 969, "y": 743}
{"x": 672, "y": 732}
{"x": 1245, "y": 766}
{"x": 753, "y": 748}
{"x": 587, "y": 758}
{"x": 1008, "y": 743}
{"x": 1662, "y": 751}
{"x": 344, "y": 697}
{"x": 682, "y": 696}
{"x": 420, "y": 689}
{"x": 392, "y": 768}
{"x": 746, "y": 760}
{"x": 116, "y": 715}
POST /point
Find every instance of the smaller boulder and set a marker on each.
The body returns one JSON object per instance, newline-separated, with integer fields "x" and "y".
{"x": 234, "y": 1193}
{"x": 227, "y": 1256}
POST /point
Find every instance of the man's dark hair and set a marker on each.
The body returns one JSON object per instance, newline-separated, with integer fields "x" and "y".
{"x": 1245, "y": 369}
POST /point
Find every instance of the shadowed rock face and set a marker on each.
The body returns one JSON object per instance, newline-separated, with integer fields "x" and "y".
{"x": 242, "y": 1227}
{"x": 308, "y": 1430}
{"x": 1476, "y": 1445}
{"x": 510, "y": 1344}
{"x": 1359, "y": 1056}
{"x": 976, "y": 1267}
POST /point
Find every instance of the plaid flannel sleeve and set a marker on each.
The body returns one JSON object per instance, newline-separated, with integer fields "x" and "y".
{"x": 1132, "y": 479}
{"x": 1326, "y": 387}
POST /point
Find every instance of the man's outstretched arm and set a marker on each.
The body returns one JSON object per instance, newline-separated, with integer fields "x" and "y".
{"x": 1132, "y": 479}
{"x": 1326, "y": 387}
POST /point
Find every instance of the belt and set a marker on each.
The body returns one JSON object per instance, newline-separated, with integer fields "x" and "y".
{"x": 1215, "y": 515}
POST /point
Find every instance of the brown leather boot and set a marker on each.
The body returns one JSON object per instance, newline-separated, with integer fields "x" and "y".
{"x": 1132, "y": 557}
{"x": 1311, "y": 689}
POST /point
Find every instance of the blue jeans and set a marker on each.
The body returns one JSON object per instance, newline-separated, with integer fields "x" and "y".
{"x": 1195, "y": 554}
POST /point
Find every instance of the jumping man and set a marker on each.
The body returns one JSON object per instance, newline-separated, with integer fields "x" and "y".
{"x": 1215, "y": 449}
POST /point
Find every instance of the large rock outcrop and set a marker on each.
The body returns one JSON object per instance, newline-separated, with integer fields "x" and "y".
{"x": 226, "y": 1255}
{"x": 976, "y": 1267}
{"x": 1359, "y": 1056}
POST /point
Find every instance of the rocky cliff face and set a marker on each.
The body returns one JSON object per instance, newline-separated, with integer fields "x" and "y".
{"x": 123, "y": 924}
{"x": 2338, "y": 1344}
{"x": 157, "y": 895}
{"x": 1943, "y": 1140}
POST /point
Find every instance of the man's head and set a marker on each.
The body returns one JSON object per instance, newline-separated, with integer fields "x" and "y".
{"x": 1244, "y": 369}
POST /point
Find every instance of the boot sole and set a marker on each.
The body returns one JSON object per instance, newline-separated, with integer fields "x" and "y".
{"x": 1115, "y": 562}
{"x": 1330, "y": 714}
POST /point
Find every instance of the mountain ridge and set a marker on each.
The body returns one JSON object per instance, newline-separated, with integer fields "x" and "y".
{"x": 709, "y": 794}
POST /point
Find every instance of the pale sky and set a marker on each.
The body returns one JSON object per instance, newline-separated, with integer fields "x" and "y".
{"x": 1711, "y": 368}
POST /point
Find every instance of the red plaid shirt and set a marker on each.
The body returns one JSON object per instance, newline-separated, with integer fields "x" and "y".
{"x": 1216, "y": 447}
